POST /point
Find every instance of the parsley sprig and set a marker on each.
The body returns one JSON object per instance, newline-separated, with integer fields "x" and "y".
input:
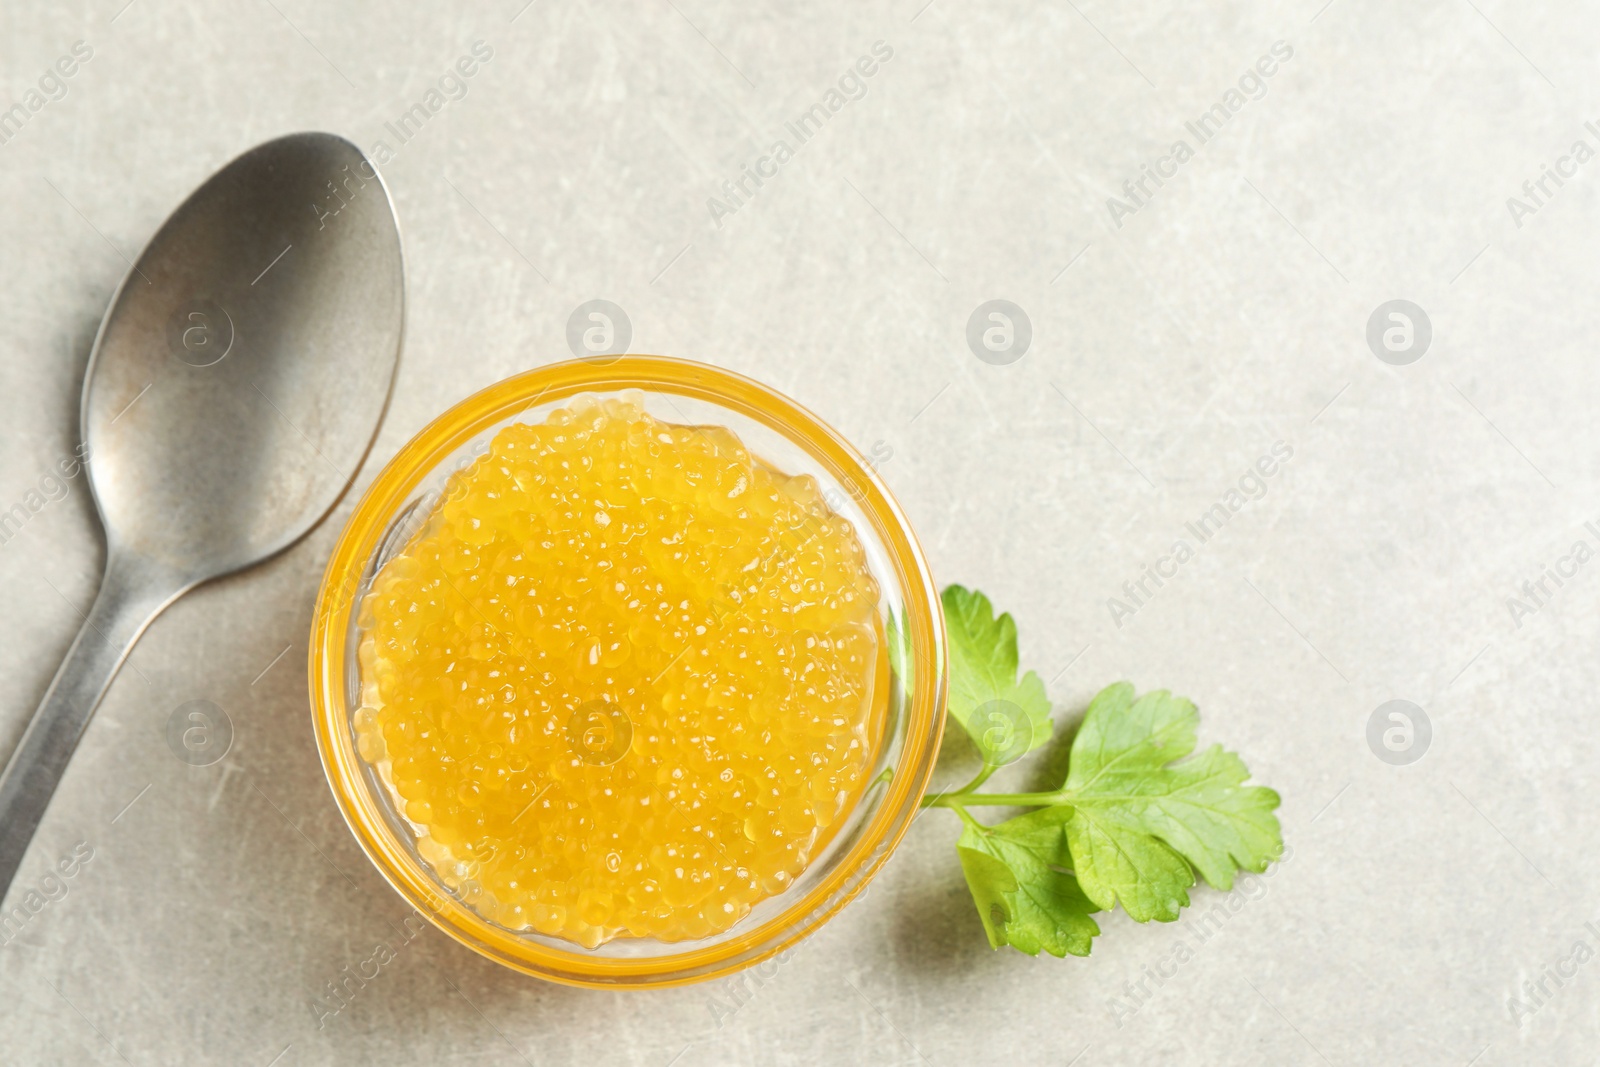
{"x": 1137, "y": 816}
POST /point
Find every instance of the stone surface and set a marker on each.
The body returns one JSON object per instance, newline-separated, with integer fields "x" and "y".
{"x": 1172, "y": 344}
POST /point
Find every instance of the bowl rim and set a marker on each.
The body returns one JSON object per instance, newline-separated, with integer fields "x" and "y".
{"x": 446, "y": 434}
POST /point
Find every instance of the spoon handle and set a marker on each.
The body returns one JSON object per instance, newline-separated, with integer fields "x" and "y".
{"x": 131, "y": 594}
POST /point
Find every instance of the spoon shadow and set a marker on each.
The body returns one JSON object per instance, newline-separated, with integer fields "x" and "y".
{"x": 30, "y": 681}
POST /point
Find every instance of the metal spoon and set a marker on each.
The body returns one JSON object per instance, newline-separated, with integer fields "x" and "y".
{"x": 234, "y": 388}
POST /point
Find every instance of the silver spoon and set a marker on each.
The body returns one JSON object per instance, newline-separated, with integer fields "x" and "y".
{"x": 234, "y": 388}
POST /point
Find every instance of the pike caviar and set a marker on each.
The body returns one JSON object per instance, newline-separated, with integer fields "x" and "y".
{"x": 621, "y": 682}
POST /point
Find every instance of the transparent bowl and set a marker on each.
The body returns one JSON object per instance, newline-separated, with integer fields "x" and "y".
{"x": 788, "y": 437}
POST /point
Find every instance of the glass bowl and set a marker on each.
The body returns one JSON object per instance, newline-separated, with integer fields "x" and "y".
{"x": 789, "y": 438}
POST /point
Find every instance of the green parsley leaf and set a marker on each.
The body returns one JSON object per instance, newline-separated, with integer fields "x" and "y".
{"x": 1005, "y": 717}
{"x": 1138, "y": 814}
{"x": 1138, "y": 820}
{"x": 1024, "y": 898}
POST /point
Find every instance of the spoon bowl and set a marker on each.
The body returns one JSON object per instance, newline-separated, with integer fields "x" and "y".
{"x": 244, "y": 364}
{"x": 234, "y": 388}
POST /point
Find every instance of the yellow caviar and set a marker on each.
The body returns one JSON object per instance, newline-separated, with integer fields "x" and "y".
{"x": 622, "y": 681}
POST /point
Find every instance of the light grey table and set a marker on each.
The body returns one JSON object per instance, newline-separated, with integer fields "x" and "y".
{"x": 1176, "y": 337}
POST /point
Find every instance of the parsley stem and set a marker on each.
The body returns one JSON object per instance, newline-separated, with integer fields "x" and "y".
{"x": 967, "y": 818}
{"x": 982, "y": 776}
{"x": 962, "y": 800}
{"x": 1016, "y": 800}
{"x": 936, "y": 800}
